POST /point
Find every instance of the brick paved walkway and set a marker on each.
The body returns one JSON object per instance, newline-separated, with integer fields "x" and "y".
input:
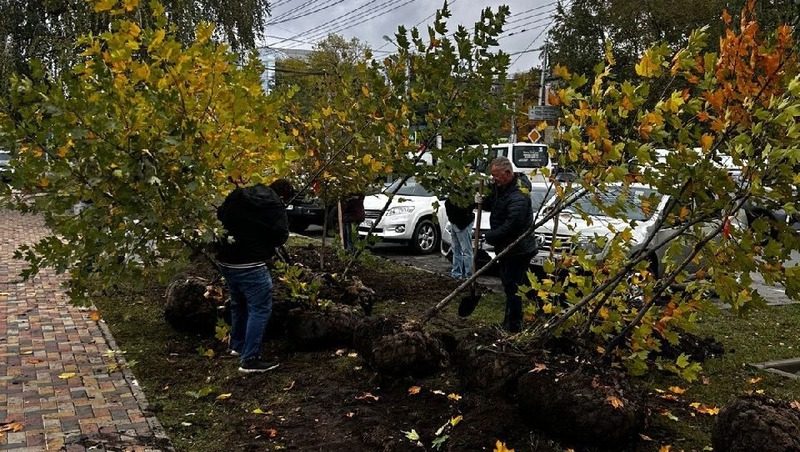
{"x": 62, "y": 384}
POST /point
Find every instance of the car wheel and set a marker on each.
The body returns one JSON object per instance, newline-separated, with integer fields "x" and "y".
{"x": 298, "y": 226}
{"x": 426, "y": 237}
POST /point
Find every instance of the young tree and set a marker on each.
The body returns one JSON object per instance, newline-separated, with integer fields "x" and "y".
{"x": 740, "y": 111}
{"x": 129, "y": 152}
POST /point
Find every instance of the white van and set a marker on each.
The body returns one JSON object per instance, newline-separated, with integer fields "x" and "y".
{"x": 527, "y": 158}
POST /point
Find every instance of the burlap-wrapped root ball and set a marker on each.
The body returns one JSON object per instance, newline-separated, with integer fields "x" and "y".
{"x": 582, "y": 405}
{"x": 187, "y": 309}
{"x": 313, "y": 327}
{"x": 393, "y": 348}
{"x": 757, "y": 423}
{"x": 485, "y": 361}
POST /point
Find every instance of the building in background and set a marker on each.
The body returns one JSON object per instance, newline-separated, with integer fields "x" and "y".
{"x": 269, "y": 56}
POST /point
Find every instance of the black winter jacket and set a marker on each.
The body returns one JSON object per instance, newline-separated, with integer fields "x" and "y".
{"x": 459, "y": 216}
{"x": 255, "y": 218}
{"x": 512, "y": 215}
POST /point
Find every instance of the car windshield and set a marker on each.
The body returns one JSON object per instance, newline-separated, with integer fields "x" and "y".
{"x": 410, "y": 188}
{"x": 639, "y": 202}
{"x": 540, "y": 194}
{"x": 530, "y": 156}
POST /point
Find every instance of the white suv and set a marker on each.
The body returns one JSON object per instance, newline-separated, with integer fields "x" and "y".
{"x": 415, "y": 217}
{"x": 644, "y": 206}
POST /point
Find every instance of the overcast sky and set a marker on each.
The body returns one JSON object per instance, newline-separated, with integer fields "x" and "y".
{"x": 306, "y": 21}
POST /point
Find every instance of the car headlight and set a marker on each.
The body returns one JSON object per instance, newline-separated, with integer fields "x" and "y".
{"x": 590, "y": 246}
{"x": 399, "y": 210}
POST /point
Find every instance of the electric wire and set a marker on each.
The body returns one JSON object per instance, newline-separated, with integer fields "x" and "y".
{"x": 360, "y": 19}
{"x": 331, "y": 21}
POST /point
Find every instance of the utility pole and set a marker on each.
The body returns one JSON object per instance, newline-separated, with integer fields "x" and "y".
{"x": 542, "y": 90}
{"x": 513, "y": 137}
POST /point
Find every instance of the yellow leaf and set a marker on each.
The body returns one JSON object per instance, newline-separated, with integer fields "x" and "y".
{"x": 295, "y": 132}
{"x": 666, "y": 448}
{"x": 258, "y": 411}
{"x": 548, "y": 308}
{"x": 684, "y": 213}
{"x": 327, "y": 111}
{"x": 130, "y": 5}
{"x": 94, "y": 315}
{"x": 706, "y": 141}
{"x": 754, "y": 380}
{"x": 561, "y": 72}
{"x": 365, "y": 90}
{"x": 390, "y": 128}
{"x": 104, "y": 5}
{"x": 11, "y": 427}
{"x": 677, "y": 389}
{"x": 414, "y": 390}
{"x": 501, "y": 447}
{"x": 225, "y": 396}
{"x": 647, "y": 66}
{"x": 66, "y": 375}
{"x": 455, "y": 421}
{"x": 376, "y": 166}
{"x": 366, "y": 159}
{"x": 454, "y": 397}
{"x": 704, "y": 409}
{"x": 615, "y": 402}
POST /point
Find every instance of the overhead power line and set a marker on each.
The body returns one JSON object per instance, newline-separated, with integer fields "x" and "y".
{"x": 360, "y": 19}
{"x": 533, "y": 41}
{"x": 308, "y": 13}
{"x": 331, "y": 21}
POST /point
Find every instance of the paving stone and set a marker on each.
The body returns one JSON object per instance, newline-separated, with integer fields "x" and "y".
{"x": 45, "y": 338}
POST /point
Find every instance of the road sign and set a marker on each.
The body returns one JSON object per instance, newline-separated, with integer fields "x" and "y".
{"x": 534, "y": 136}
{"x": 544, "y": 113}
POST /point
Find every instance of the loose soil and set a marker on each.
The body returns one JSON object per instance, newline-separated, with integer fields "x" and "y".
{"x": 329, "y": 399}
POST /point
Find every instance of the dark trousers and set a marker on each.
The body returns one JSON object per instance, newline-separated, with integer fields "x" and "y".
{"x": 513, "y": 272}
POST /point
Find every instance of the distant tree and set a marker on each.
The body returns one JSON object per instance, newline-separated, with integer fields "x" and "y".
{"x": 47, "y": 30}
{"x": 582, "y": 29}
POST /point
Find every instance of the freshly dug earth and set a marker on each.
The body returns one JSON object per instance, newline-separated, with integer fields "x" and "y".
{"x": 332, "y": 398}
{"x": 757, "y": 423}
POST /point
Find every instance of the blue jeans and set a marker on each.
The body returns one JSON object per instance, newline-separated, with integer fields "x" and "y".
{"x": 251, "y": 307}
{"x": 462, "y": 251}
{"x": 350, "y": 233}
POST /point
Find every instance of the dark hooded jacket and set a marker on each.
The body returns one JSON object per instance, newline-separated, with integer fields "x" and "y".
{"x": 512, "y": 215}
{"x": 459, "y": 216}
{"x": 255, "y": 218}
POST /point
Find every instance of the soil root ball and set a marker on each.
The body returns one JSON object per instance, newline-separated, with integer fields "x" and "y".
{"x": 315, "y": 328}
{"x": 188, "y": 309}
{"x": 394, "y": 348}
{"x": 370, "y": 329}
{"x": 757, "y": 423}
{"x": 582, "y": 406}
{"x": 486, "y": 362}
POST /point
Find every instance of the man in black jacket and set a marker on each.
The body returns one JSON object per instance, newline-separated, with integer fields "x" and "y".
{"x": 512, "y": 215}
{"x": 255, "y": 224}
{"x": 461, "y": 219}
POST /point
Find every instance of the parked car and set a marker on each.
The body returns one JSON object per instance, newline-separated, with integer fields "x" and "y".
{"x": 308, "y": 210}
{"x": 541, "y": 192}
{"x": 569, "y": 231}
{"x": 415, "y": 216}
{"x": 5, "y": 166}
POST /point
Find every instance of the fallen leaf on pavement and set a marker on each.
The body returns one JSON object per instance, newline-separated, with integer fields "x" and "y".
{"x": 454, "y": 421}
{"x": 704, "y": 409}
{"x": 271, "y": 432}
{"x": 665, "y": 448}
{"x": 677, "y": 389}
{"x": 414, "y": 390}
{"x": 12, "y": 427}
{"x": 95, "y": 316}
{"x": 454, "y": 397}
{"x": 67, "y": 375}
{"x": 225, "y": 396}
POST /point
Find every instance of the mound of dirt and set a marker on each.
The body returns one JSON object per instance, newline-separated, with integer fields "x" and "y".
{"x": 313, "y": 328}
{"x": 485, "y": 361}
{"x": 581, "y": 405}
{"x": 757, "y": 423}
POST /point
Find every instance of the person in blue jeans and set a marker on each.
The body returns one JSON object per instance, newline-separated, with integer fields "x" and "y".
{"x": 255, "y": 224}
{"x": 460, "y": 218}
